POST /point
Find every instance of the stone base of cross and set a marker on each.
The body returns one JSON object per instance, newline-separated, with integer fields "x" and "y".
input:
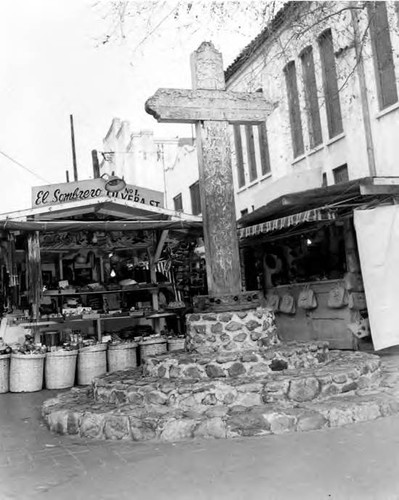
{"x": 212, "y": 108}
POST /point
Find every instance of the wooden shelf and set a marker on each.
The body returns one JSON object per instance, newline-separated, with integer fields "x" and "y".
{"x": 55, "y": 293}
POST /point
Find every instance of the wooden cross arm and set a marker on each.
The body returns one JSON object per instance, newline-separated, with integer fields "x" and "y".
{"x": 190, "y": 106}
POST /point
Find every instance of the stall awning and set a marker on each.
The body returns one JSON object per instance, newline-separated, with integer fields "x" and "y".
{"x": 74, "y": 225}
{"x": 313, "y": 215}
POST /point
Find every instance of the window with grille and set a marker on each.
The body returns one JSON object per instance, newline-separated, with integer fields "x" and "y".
{"x": 195, "y": 198}
{"x": 178, "y": 203}
{"x": 312, "y": 103}
{"x": 293, "y": 109}
{"x": 330, "y": 84}
{"x": 341, "y": 174}
{"x": 382, "y": 54}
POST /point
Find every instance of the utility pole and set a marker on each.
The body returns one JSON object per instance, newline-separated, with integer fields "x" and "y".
{"x": 75, "y": 166}
{"x": 96, "y": 166}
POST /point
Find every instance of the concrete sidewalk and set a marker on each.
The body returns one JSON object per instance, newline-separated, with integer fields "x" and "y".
{"x": 355, "y": 462}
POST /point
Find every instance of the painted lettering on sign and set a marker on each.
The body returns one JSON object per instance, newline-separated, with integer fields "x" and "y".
{"x": 90, "y": 189}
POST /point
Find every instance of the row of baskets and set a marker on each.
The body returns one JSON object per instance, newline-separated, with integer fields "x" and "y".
{"x": 61, "y": 369}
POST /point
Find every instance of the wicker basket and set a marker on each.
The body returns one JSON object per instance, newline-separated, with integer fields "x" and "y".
{"x": 60, "y": 369}
{"x": 92, "y": 362}
{"x": 152, "y": 347}
{"x": 26, "y": 372}
{"x": 4, "y": 373}
{"x": 122, "y": 356}
{"x": 176, "y": 344}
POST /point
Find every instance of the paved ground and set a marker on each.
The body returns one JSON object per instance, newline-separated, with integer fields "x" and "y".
{"x": 353, "y": 462}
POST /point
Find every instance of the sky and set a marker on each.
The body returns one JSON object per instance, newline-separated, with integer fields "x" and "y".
{"x": 54, "y": 63}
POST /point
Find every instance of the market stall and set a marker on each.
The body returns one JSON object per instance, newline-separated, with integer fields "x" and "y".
{"x": 86, "y": 265}
{"x": 303, "y": 254}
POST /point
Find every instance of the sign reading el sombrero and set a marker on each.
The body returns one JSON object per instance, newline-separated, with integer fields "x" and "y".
{"x": 55, "y": 194}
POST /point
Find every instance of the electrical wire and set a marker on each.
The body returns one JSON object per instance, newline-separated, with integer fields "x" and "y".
{"x": 25, "y": 168}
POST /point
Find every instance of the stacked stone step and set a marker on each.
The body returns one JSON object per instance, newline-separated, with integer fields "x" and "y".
{"x": 125, "y": 405}
{"x": 238, "y": 380}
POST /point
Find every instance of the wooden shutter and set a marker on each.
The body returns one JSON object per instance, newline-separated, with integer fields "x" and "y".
{"x": 178, "y": 203}
{"x": 294, "y": 110}
{"x": 382, "y": 52}
{"x": 312, "y": 104}
{"x": 195, "y": 198}
{"x": 330, "y": 84}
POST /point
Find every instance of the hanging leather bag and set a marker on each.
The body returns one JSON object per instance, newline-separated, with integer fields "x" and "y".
{"x": 337, "y": 298}
{"x": 287, "y": 305}
{"x": 307, "y": 299}
{"x": 273, "y": 301}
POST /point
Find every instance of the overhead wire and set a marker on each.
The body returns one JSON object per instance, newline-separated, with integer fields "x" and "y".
{"x": 24, "y": 167}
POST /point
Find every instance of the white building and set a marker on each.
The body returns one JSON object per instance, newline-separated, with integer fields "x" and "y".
{"x": 332, "y": 70}
{"x": 167, "y": 165}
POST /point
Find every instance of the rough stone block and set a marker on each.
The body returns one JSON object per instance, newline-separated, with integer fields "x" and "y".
{"x": 73, "y": 423}
{"x": 58, "y": 421}
{"x": 233, "y": 326}
{"x": 200, "y": 329}
{"x": 156, "y": 398}
{"x": 214, "y": 371}
{"x": 217, "y": 411}
{"x": 135, "y": 398}
{"x": 304, "y": 389}
{"x": 278, "y": 365}
{"x": 176, "y": 430}
{"x": 252, "y": 325}
{"x": 92, "y": 426}
{"x": 240, "y": 337}
{"x": 209, "y": 400}
{"x": 311, "y": 421}
{"x": 236, "y": 369}
{"x": 116, "y": 427}
{"x": 211, "y": 428}
{"x": 247, "y": 423}
{"x": 141, "y": 430}
{"x": 242, "y": 315}
{"x": 225, "y": 317}
{"x": 249, "y": 357}
{"x": 281, "y": 423}
{"x": 193, "y": 372}
{"x": 339, "y": 378}
{"x": 217, "y": 328}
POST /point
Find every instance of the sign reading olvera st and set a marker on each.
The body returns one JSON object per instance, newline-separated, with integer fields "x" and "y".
{"x": 54, "y": 194}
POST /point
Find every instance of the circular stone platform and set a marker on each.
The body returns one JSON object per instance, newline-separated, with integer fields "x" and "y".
{"x": 127, "y": 405}
{"x": 237, "y": 380}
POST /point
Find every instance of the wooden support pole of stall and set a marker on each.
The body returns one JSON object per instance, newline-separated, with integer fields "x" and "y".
{"x": 160, "y": 245}
{"x": 35, "y": 276}
{"x": 352, "y": 256}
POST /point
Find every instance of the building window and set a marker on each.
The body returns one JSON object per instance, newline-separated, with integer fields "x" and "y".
{"x": 239, "y": 155}
{"x": 253, "y": 174}
{"x": 178, "y": 203}
{"x": 195, "y": 198}
{"x": 252, "y": 150}
{"x": 341, "y": 174}
{"x": 312, "y": 104}
{"x": 330, "y": 84}
{"x": 294, "y": 110}
{"x": 382, "y": 52}
{"x": 264, "y": 149}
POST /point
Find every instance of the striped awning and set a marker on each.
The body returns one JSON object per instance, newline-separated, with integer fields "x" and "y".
{"x": 313, "y": 215}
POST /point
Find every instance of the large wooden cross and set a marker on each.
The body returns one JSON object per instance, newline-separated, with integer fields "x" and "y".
{"x": 211, "y": 107}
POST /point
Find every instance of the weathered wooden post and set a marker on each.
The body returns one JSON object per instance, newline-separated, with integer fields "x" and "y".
{"x": 211, "y": 108}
